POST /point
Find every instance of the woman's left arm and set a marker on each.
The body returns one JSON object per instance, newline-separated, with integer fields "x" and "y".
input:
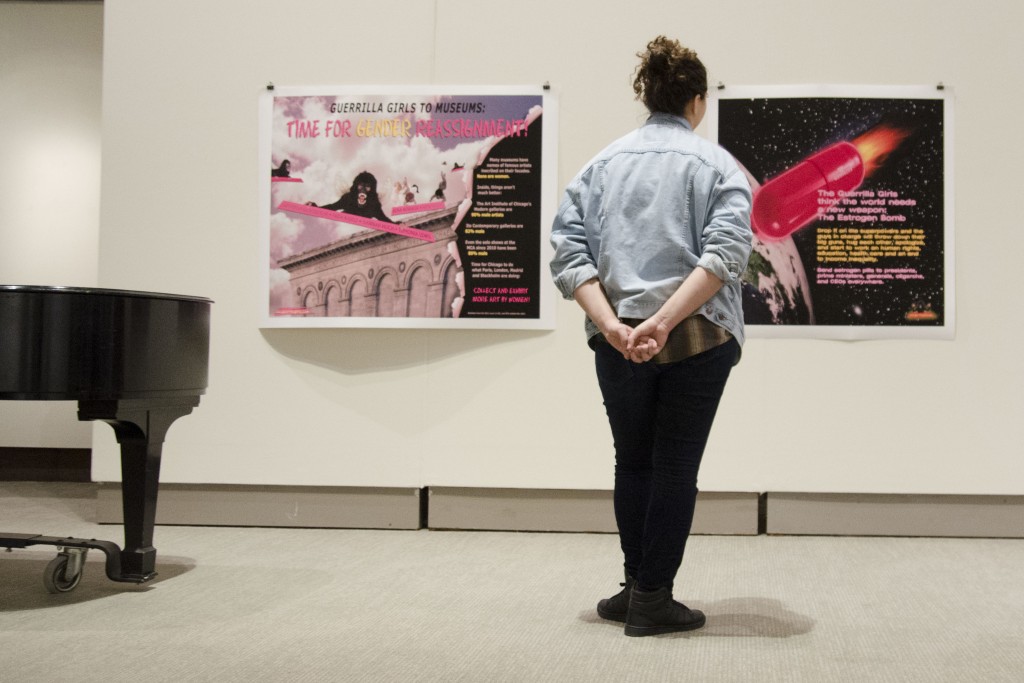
{"x": 726, "y": 237}
{"x": 725, "y": 250}
{"x": 573, "y": 263}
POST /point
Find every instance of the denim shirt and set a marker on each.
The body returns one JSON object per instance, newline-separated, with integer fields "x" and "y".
{"x": 645, "y": 212}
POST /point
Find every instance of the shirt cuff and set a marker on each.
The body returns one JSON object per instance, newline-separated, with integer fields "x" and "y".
{"x": 726, "y": 271}
{"x": 569, "y": 281}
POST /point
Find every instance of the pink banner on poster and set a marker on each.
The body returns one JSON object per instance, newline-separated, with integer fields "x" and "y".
{"x": 353, "y": 219}
{"x": 276, "y": 179}
{"x": 414, "y": 208}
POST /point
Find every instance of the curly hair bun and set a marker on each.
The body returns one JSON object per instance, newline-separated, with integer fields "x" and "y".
{"x": 669, "y": 76}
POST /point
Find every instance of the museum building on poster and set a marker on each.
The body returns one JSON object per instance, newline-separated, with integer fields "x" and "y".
{"x": 380, "y": 274}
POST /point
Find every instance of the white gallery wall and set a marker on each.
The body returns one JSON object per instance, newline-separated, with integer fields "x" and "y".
{"x": 51, "y": 75}
{"x": 418, "y": 408}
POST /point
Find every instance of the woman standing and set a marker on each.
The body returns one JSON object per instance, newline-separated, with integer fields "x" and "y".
{"x": 651, "y": 239}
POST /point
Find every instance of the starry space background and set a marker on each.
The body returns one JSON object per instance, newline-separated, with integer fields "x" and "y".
{"x": 769, "y": 135}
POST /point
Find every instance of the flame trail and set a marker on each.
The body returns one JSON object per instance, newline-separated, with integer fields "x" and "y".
{"x": 877, "y": 144}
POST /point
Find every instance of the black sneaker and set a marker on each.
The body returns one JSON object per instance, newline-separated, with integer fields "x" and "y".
{"x": 616, "y": 607}
{"x": 654, "y": 612}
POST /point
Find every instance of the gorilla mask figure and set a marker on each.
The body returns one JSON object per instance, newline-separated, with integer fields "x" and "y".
{"x": 361, "y": 199}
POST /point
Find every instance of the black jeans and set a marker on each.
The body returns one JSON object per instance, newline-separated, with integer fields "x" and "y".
{"x": 660, "y": 417}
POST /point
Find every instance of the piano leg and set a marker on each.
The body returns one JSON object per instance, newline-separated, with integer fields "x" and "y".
{"x": 140, "y": 426}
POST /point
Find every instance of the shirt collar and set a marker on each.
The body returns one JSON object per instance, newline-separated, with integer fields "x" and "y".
{"x": 664, "y": 117}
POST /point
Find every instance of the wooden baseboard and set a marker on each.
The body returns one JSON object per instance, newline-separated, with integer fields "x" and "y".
{"x": 864, "y": 514}
{"x": 717, "y": 513}
{"x": 274, "y": 506}
{"x": 45, "y": 464}
{"x": 570, "y": 510}
{"x": 434, "y": 508}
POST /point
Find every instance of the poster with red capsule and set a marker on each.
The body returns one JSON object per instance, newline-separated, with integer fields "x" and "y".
{"x": 853, "y": 208}
{"x": 407, "y": 206}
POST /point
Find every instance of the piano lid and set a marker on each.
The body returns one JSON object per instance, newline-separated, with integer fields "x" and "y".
{"x": 47, "y": 289}
{"x": 74, "y": 343}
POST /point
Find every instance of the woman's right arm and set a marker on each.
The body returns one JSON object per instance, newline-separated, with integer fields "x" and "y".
{"x": 592, "y": 299}
{"x": 574, "y": 267}
{"x": 573, "y": 263}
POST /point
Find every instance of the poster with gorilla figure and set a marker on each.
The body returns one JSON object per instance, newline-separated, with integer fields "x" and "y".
{"x": 852, "y": 212}
{"x": 409, "y": 206}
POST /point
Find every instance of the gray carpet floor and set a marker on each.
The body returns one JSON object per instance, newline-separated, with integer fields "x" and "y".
{"x": 252, "y": 604}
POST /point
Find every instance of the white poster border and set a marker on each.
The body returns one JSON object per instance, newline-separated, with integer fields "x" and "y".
{"x": 947, "y": 331}
{"x": 548, "y": 200}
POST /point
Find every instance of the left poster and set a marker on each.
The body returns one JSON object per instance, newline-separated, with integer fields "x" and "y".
{"x": 414, "y": 206}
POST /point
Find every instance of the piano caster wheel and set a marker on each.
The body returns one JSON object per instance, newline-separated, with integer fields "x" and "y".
{"x": 65, "y": 571}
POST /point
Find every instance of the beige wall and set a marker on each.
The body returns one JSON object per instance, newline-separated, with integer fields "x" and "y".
{"x": 520, "y": 409}
{"x": 51, "y": 75}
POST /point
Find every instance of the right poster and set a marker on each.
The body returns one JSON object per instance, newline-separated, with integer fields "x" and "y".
{"x": 852, "y": 213}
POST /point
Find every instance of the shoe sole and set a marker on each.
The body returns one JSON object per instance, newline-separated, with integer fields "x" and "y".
{"x": 639, "y": 631}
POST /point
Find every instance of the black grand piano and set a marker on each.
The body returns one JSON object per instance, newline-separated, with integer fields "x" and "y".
{"x": 135, "y": 360}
